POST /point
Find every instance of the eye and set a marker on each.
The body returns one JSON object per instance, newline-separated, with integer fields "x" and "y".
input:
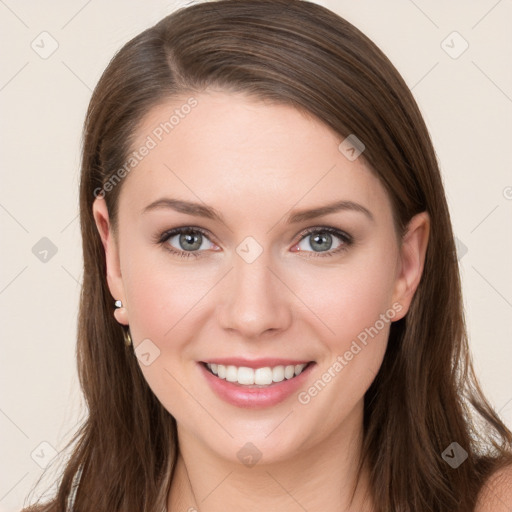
{"x": 325, "y": 240}
{"x": 186, "y": 241}
{"x": 189, "y": 241}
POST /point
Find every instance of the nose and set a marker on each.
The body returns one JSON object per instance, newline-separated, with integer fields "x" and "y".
{"x": 255, "y": 300}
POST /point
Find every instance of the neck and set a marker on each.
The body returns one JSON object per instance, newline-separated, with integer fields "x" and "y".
{"x": 313, "y": 479}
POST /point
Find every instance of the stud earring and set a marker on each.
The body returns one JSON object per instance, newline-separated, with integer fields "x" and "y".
{"x": 126, "y": 332}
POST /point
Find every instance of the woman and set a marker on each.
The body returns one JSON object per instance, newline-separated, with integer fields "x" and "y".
{"x": 271, "y": 315}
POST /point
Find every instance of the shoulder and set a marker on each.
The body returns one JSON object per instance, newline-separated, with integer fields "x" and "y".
{"x": 496, "y": 492}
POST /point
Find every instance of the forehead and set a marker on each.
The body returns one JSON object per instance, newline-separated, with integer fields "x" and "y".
{"x": 229, "y": 149}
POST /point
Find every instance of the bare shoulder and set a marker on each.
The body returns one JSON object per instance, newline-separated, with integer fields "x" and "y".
{"x": 496, "y": 493}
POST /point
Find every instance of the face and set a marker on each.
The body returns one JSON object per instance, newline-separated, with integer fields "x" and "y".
{"x": 247, "y": 239}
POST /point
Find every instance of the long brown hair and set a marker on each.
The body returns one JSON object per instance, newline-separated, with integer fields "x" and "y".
{"x": 425, "y": 396}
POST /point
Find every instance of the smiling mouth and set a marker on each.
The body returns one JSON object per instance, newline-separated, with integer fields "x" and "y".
{"x": 256, "y": 377}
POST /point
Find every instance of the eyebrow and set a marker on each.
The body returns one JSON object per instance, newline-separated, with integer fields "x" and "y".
{"x": 200, "y": 210}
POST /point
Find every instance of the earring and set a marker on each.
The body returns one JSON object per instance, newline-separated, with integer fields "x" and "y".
{"x": 127, "y": 337}
{"x": 126, "y": 332}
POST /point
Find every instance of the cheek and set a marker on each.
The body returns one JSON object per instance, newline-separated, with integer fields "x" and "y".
{"x": 356, "y": 306}
{"x": 350, "y": 297}
{"x": 169, "y": 302}
{"x": 161, "y": 298}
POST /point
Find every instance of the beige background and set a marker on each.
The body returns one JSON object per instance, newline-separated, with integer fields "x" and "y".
{"x": 467, "y": 104}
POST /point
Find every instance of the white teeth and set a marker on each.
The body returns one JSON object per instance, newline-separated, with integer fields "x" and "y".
{"x": 263, "y": 376}
{"x": 259, "y": 376}
{"x": 221, "y": 371}
{"x": 278, "y": 373}
{"x": 231, "y": 373}
{"x": 245, "y": 376}
{"x": 289, "y": 372}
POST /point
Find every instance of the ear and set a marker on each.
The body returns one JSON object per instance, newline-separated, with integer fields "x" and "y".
{"x": 110, "y": 244}
{"x": 411, "y": 261}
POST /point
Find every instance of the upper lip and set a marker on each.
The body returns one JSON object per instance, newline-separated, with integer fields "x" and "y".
{"x": 256, "y": 363}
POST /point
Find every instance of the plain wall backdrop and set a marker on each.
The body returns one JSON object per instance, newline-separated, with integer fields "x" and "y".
{"x": 455, "y": 56}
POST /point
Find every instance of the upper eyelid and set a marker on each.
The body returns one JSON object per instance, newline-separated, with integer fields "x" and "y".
{"x": 335, "y": 231}
{"x": 170, "y": 233}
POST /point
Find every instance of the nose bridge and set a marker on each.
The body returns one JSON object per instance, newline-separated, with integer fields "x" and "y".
{"x": 256, "y": 300}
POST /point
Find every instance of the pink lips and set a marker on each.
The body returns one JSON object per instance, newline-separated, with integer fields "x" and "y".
{"x": 254, "y": 396}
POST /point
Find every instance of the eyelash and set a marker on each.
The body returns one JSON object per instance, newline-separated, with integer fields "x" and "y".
{"x": 346, "y": 240}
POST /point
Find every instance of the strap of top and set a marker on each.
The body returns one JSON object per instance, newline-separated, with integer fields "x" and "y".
{"x": 74, "y": 489}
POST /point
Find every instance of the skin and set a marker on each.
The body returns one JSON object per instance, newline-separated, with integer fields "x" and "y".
{"x": 256, "y": 163}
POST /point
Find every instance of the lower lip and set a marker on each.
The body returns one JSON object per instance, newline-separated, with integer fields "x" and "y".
{"x": 254, "y": 397}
